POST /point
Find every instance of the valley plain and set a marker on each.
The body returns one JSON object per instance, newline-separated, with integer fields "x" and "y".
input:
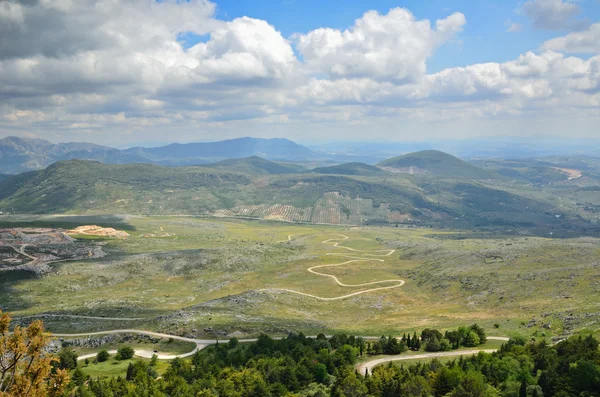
{"x": 211, "y": 277}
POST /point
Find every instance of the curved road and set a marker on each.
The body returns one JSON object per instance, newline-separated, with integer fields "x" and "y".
{"x": 369, "y": 365}
{"x": 364, "y": 258}
{"x": 202, "y": 343}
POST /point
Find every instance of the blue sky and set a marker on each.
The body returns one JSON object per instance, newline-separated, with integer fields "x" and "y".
{"x": 485, "y": 37}
{"x": 310, "y": 70}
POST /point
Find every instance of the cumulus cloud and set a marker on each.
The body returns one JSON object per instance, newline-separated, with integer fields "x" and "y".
{"x": 98, "y": 67}
{"x": 391, "y": 46}
{"x": 587, "y": 41}
{"x": 554, "y": 14}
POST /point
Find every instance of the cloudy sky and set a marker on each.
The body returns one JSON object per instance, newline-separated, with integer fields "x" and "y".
{"x": 126, "y": 72}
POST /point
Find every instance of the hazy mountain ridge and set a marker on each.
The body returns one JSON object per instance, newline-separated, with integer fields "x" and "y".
{"x": 256, "y": 165}
{"x": 22, "y": 154}
{"x": 354, "y": 168}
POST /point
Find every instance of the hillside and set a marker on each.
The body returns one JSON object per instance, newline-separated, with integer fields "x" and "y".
{"x": 349, "y": 169}
{"x": 140, "y": 188}
{"x": 87, "y": 187}
{"x": 255, "y": 165}
{"x": 435, "y": 163}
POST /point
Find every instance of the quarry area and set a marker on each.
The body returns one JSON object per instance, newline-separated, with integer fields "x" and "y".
{"x": 33, "y": 249}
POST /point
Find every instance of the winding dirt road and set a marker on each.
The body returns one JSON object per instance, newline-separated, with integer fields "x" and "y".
{"x": 367, "y": 257}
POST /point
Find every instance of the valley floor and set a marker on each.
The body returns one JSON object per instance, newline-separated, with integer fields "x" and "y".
{"x": 214, "y": 278}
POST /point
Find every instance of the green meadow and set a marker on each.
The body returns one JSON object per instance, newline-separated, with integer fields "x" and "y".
{"x": 210, "y": 277}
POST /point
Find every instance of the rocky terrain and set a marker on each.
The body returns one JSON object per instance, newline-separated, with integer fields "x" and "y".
{"x": 33, "y": 249}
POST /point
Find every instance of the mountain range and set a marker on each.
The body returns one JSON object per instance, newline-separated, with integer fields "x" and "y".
{"x": 427, "y": 188}
{"x": 22, "y": 154}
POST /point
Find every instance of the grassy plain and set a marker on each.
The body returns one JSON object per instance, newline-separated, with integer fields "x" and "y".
{"x": 113, "y": 368}
{"x": 215, "y": 277}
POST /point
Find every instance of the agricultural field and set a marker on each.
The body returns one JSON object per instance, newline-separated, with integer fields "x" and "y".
{"x": 215, "y": 277}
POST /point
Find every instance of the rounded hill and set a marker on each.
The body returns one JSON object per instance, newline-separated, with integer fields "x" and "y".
{"x": 436, "y": 163}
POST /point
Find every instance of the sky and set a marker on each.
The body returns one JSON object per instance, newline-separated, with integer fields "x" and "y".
{"x": 142, "y": 72}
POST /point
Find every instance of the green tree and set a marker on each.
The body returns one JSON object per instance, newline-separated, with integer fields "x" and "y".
{"x": 67, "y": 359}
{"x": 433, "y": 344}
{"x": 233, "y": 342}
{"x": 347, "y": 384}
{"x": 474, "y": 385}
{"x": 320, "y": 373}
{"x": 153, "y": 360}
{"x": 102, "y": 356}
{"x": 471, "y": 339}
{"x": 124, "y": 353}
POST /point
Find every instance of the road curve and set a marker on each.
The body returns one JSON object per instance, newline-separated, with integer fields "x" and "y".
{"x": 367, "y": 257}
{"x": 202, "y": 343}
{"x": 368, "y": 366}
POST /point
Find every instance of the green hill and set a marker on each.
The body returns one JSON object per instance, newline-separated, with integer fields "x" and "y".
{"x": 435, "y": 163}
{"x": 255, "y": 165}
{"x": 88, "y": 187}
{"x": 137, "y": 188}
{"x": 349, "y": 169}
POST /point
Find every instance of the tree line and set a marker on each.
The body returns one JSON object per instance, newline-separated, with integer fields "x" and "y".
{"x": 298, "y": 366}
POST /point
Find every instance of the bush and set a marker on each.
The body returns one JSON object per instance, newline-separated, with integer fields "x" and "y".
{"x": 102, "y": 356}
{"x": 124, "y": 353}
{"x": 67, "y": 359}
{"x": 433, "y": 345}
{"x": 471, "y": 339}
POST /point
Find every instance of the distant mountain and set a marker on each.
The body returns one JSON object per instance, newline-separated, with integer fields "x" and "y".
{"x": 256, "y": 165}
{"x": 272, "y": 149}
{"x": 349, "y": 169}
{"x": 2, "y": 176}
{"x": 22, "y": 154}
{"x": 435, "y": 163}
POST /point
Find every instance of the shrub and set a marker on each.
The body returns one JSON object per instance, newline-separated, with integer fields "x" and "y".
{"x": 124, "y": 353}
{"x": 67, "y": 359}
{"x": 102, "y": 356}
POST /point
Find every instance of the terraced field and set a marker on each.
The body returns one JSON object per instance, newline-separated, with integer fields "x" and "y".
{"x": 332, "y": 209}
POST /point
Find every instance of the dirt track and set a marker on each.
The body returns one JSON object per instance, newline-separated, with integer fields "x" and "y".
{"x": 369, "y": 365}
{"x": 364, "y": 258}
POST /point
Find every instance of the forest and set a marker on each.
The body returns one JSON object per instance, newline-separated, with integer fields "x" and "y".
{"x": 305, "y": 367}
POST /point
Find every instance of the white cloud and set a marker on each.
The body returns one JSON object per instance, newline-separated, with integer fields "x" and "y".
{"x": 554, "y": 14}
{"x": 513, "y": 26}
{"x": 244, "y": 48}
{"x": 587, "y": 41}
{"x": 89, "y": 73}
{"x": 391, "y": 46}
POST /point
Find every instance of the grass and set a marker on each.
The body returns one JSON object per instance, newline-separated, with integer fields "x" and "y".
{"x": 163, "y": 346}
{"x": 113, "y": 368}
{"x": 207, "y": 277}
